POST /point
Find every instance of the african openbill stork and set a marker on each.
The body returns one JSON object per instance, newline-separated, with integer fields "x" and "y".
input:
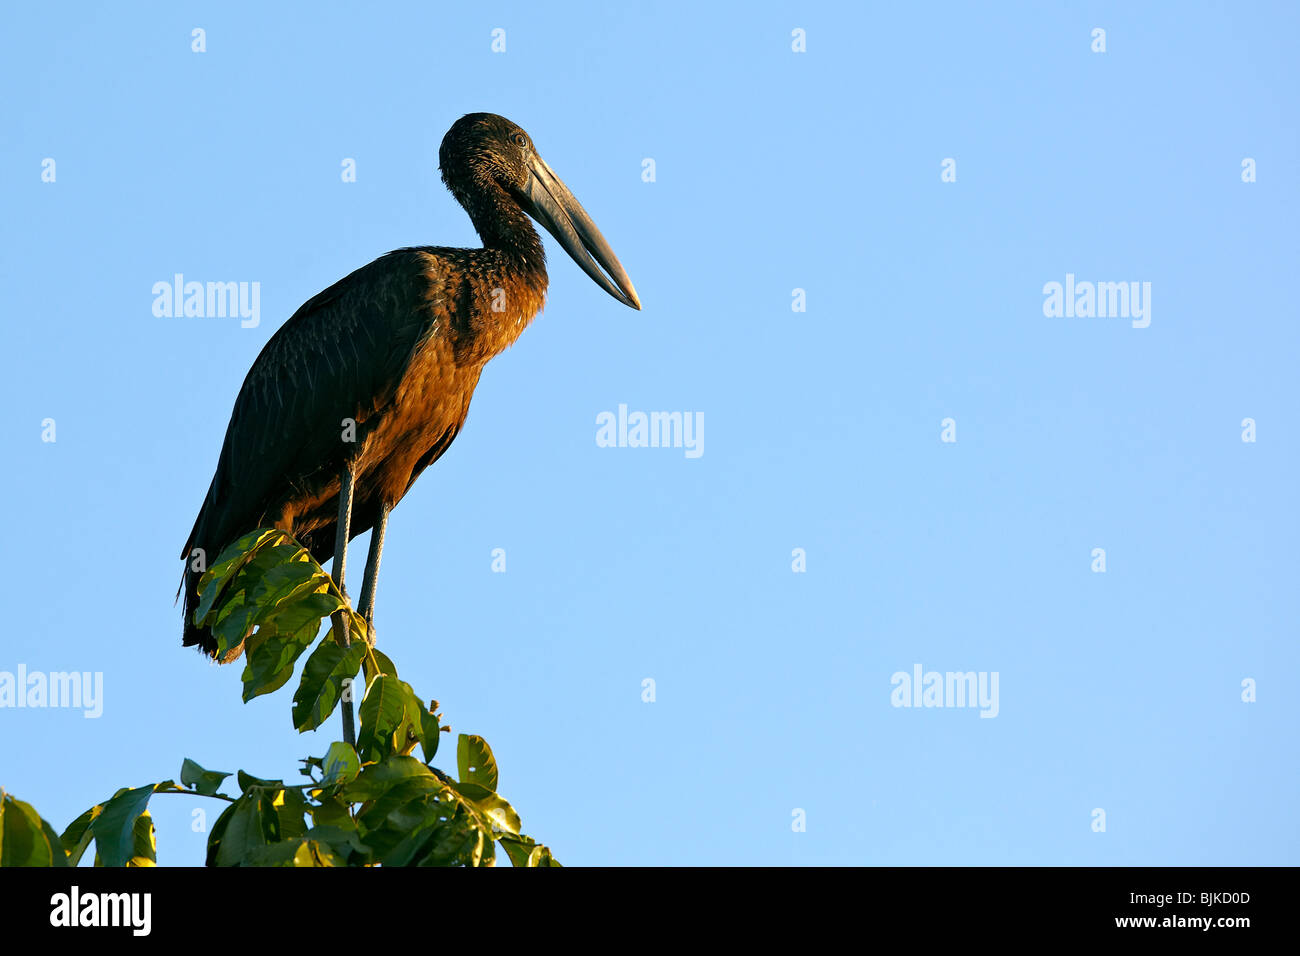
{"x": 396, "y": 347}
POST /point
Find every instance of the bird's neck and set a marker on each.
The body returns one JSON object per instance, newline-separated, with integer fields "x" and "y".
{"x": 506, "y": 278}
{"x": 505, "y": 228}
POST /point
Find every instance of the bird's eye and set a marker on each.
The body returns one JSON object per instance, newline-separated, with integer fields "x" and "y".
{"x": 520, "y": 140}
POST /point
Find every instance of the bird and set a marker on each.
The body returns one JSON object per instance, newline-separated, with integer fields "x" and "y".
{"x": 369, "y": 382}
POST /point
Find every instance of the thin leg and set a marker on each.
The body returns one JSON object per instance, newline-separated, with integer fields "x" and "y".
{"x": 341, "y": 622}
{"x": 367, "y": 607}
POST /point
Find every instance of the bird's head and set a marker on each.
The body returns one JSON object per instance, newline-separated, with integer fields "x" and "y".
{"x": 483, "y": 155}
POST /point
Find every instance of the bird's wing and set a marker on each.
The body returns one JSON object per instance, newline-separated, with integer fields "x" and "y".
{"x": 338, "y": 357}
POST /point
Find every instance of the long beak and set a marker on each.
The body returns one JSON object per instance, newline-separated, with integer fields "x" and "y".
{"x": 549, "y": 201}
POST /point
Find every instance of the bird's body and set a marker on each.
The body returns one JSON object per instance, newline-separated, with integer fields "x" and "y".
{"x": 375, "y": 374}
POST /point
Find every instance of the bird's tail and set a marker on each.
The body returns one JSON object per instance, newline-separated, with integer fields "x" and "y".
{"x": 194, "y": 635}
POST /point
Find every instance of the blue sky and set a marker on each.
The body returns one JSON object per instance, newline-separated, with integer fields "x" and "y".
{"x": 774, "y": 171}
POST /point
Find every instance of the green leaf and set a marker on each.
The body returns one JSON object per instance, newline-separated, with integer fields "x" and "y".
{"x": 279, "y": 583}
{"x": 388, "y": 787}
{"x": 386, "y": 666}
{"x": 390, "y": 720}
{"x": 234, "y": 622}
{"x": 435, "y": 829}
{"x": 238, "y": 554}
{"x": 414, "y": 844}
{"x": 341, "y": 764}
{"x": 304, "y": 610}
{"x": 395, "y": 812}
{"x": 463, "y": 843}
{"x": 144, "y": 845}
{"x": 228, "y": 564}
{"x": 321, "y": 686}
{"x": 331, "y": 812}
{"x": 524, "y": 851}
{"x": 25, "y": 838}
{"x": 269, "y": 671}
{"x": 517, "y": 849}
{"x": 377, "y": 779}
{"x": 217, "y": 834}
{"x": 77, "y": 837}
{"x": 205, "y": 782}
{"x": 314, "y": 853}
{"x": 298, "y": 852}
{"x": 292, "y": 808}
{"x": 253, "y": 824}
{"x": 475, "y": 761}
{"x": 259, "y": 580}
{"x": 430, "y": 734}
{"x": 270, "y": 662}
{"x": 114, "y": 827}
{"x": 267, "y": 556}
{"x": 344, "y": 841}
{"x": 247, "y": 781}
{"x": 209, "y": 591}
{"x": 501, "y": 814}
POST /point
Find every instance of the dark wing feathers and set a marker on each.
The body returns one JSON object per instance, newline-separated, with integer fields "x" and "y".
{"x": 339, "y": 356}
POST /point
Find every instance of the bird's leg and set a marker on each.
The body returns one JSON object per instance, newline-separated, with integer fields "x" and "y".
{"x": 342, "y": 625}
{"x": 367, "y": 607}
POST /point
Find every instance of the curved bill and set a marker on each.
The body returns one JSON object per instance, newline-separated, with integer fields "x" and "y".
{"x": 549, "y": 201}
